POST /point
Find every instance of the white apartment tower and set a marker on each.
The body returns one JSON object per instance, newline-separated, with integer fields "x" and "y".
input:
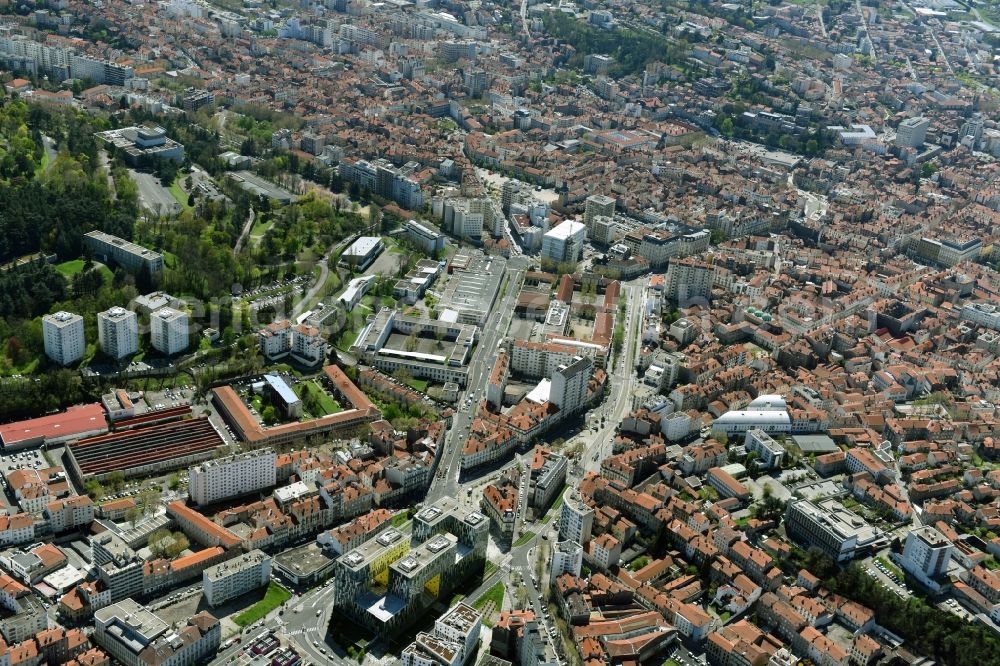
{"x": 240, "y": 474}
{"x": 169, "y": 331}
{"x": 118, "y": 332}
{"x": 569, "y": 384}
{"x": 576, "y": 519}
{"x": 688, "y": 279}
{"x": 597, "y": 205}
{"x": 567, "y": 557}
{"x": 64, "y": 337}
{"x": 912, "y": 132}
{"x": 926, "y": 552}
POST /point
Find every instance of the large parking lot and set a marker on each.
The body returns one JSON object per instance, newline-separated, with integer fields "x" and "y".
{"x": 32, "y": 459}
{"x": 172, "y": 397}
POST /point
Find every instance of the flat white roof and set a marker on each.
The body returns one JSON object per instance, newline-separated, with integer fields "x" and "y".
{"x": 363, "y": 246}
{"x": 565, "y": 230}
{"x": 754, "y": 416}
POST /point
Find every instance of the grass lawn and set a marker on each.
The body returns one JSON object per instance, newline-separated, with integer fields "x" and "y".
{"x": 346, "y": 339}
{"x": 489, "y": 570}
{"x": 274, "y": 597}
{"x": 400, "y": 518}
{"x": 178, "y": 193}
{"x": 554, "y": 509}
{"x": 260, "y": 226}
{"x": 890, "y": 566}
{"x": 26, "y": 369}
{"x": 324, "y": 400}
{"x": 418, "y": 384}
{"x": 70, "y": 268}
{"x": 725, "y": 615}
{"x": 494, "y": 595}
{"x": 524, "y": 538}
{"x": 75, "y": 267}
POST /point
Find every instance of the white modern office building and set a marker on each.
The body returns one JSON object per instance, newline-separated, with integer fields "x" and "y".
{"x": 769, "y": 452}
{"x": 767, "y": 413}
{"x": 233, "y": 476}
{"x": 454, "y": 640}
{"x": 564, "y": 243}
{"x": 424, "y": 236}
{"x": 230, "y": 579}
{"x": 362, "y": 252}
{"x": 983, "y": 314}
{"x": 169, "y": 331}
{"x": 64, "y": 337}
{"x": 833, "y": 528}
{"x": 118, "y": 332}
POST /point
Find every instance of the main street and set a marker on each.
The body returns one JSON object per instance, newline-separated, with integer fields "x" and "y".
{"x": 445, "y": 482}
{"x": 621, "y": 379}
{"x": 306, "y": 621}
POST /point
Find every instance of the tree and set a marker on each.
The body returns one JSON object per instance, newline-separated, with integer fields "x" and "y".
{"x": 269, "y": 415}
{"x": 133, "y": 515}
{"x": 726, "y": 127}
{"x": 167, "y": 544}
{"x": 149, "y": 500}
{"x": 94, "y": 489}
{"x": 116, "y": 480}
{"x": 175, "y": 482}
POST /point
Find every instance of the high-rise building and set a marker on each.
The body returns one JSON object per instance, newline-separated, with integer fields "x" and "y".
{"x": 467, "y": 217}
{"x": 567, "y": 557}
{"x": 972, "y": 130}
{"x": 576, "y": 519}
{"x": 564, "y": 243}
{"x": 64, "y": 337}
{"x": 118, "y": 566}
{"x": 169, "y": 331}
{"x": 232, "y": 476}
{"x": 233, "y": 578}
{"x": 927, "y": 553}
{"x": 448, "y": 546}
{"x": 514, "y": 192}
{"x": 569, "y": 384}
{"x": 912, "y": 132}
{"x": 597, "y": 204}
{"x": 687, "y": 279}
{"x": 118, "y": 332}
